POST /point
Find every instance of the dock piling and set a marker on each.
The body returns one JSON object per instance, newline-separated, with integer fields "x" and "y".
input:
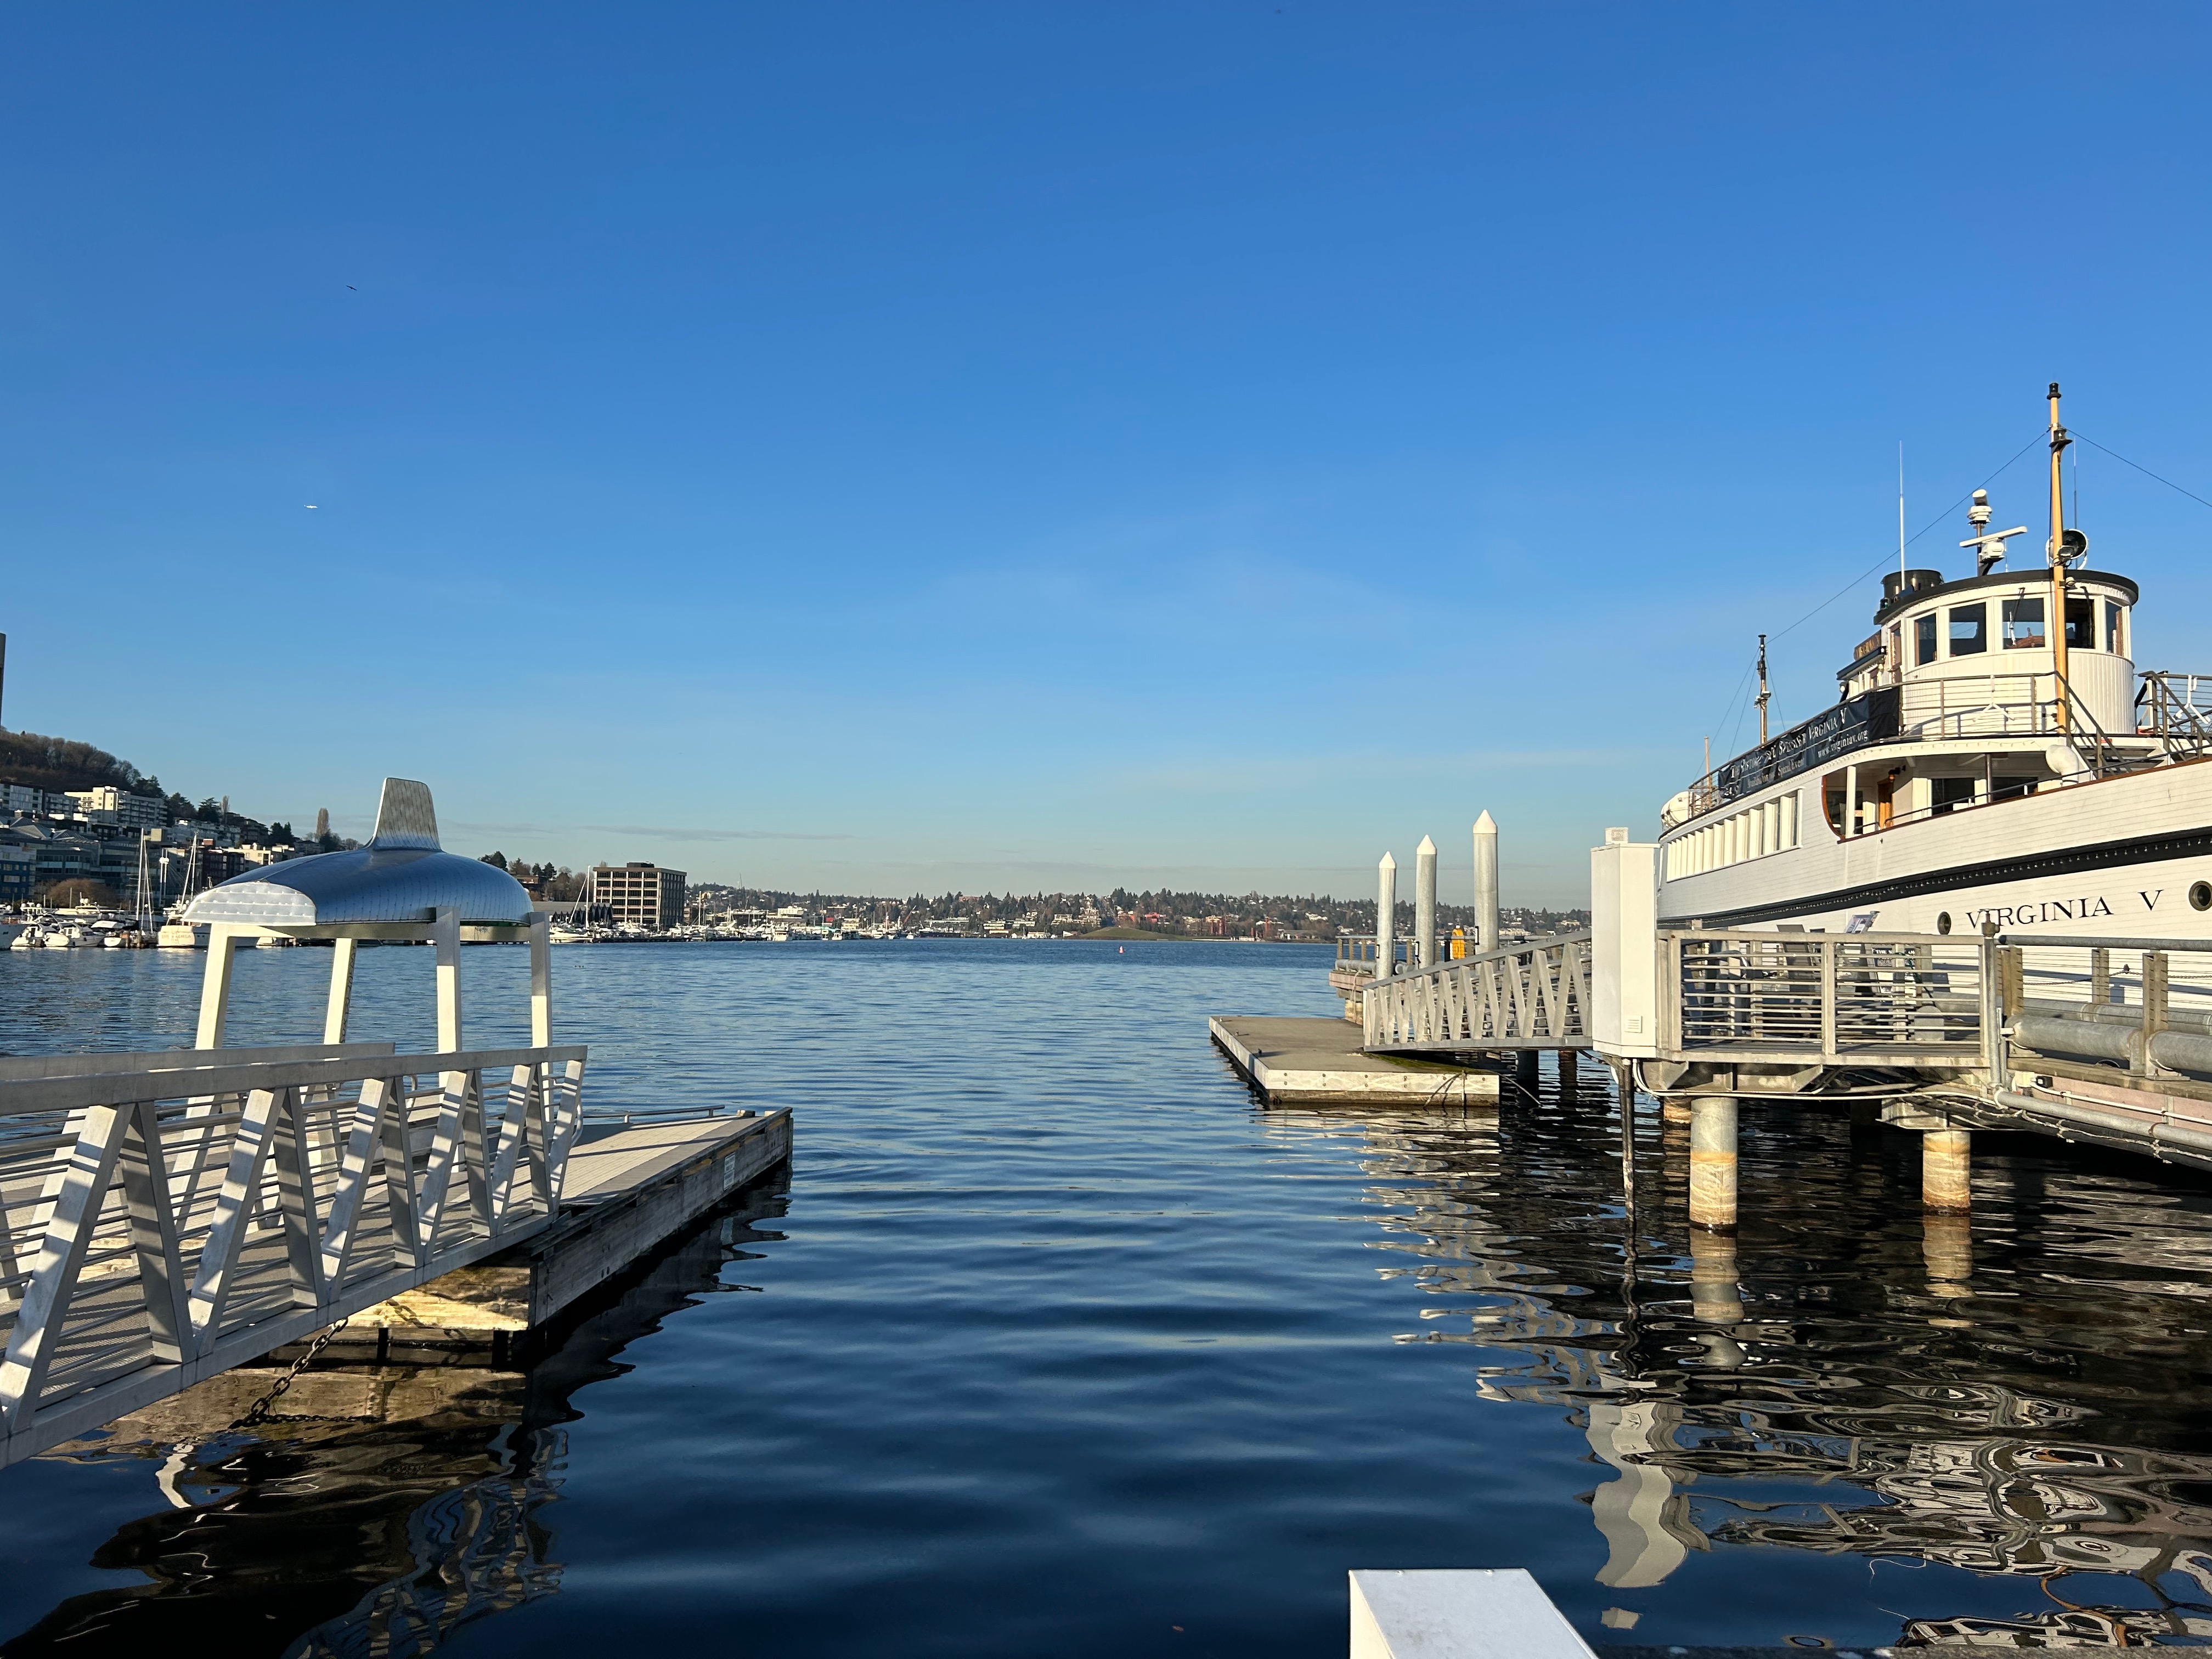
{"x": 1945, "y": 1157}
{"x": 1425, "y": 902}
{"x": 1485, "y": 883}
{"x": 1712, "y": 1164}
{"x": 1386, "y": 917}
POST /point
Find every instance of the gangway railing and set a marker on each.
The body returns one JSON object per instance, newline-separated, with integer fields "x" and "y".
{"x": 1884, "y": 999}
{"x": 1533, "y": 995}
{"x": 175, "y": 1214}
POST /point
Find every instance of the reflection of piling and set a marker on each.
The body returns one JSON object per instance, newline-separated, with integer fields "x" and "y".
{"x": 1716, "y": 1296}
{"x": 1944, "y": 1160}
{"x": 1712, "y": 1164}
{"x": 1524, "y": 1070}
{"x": 1674, "y": 1109}
{"x": 1947, "y": 1246}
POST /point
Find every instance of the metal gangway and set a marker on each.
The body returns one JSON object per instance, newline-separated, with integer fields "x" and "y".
{"x": 165, "y": 1216}
{"x": 1529, "y": 996}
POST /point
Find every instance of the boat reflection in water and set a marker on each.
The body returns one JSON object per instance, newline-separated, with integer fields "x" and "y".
{"x": 376, "y": 1507}
{"x": 2018, "y": 1394}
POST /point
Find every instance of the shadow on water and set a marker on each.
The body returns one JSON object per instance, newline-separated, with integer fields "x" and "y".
{"x": 2018, "y": 1394}
{"x": 380, "y": 1531}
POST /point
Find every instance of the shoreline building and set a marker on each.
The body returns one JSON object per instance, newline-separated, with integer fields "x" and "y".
{"x": 647, "y": 894}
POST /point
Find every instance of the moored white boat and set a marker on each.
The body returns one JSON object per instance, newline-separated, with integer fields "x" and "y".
{"x": 1995, "y": 760}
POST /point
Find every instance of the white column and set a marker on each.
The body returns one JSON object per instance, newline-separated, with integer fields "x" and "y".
{"x": 446, "y": 934}
{"x": 541, "y": 982}
{"x": 340, "y": 1006}
{"x": 1386, "y": 917}
{"x": 1486, "y": 882}
{"x": 214, "y": 984}
{"x": 1424, "y": 902}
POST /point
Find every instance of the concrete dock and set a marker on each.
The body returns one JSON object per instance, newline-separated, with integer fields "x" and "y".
{"x": 1313, "y": 1062}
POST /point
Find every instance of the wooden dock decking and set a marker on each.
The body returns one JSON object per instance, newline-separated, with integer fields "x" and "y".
{"x": 1311, "y": 1062}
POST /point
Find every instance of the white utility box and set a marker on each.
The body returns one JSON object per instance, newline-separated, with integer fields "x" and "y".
{"x": 1625, "y": 947}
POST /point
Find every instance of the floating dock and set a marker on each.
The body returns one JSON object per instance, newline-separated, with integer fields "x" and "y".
{"x": 1316, "y": 1062}
{"x": 626, "y": 1191}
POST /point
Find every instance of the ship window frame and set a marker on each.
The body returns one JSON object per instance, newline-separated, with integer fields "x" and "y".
{"x": 2084, "y": 610}
{"x": 1946, "y": 796}
{"x": 1973, "y": 644}
{"x": 2115, "y": 627}
{"x": 2015, "y": 613}
{"x": 1926, "y": 637}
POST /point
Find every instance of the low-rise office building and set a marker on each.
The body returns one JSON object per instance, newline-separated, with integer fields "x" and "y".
{"x": 646, "y": 894}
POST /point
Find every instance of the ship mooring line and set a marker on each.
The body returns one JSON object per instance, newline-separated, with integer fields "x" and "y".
{"x": 2145, "y": 470}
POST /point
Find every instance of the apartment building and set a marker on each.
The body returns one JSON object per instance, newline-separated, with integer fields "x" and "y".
{"x": 646, "y": 894}
{"x": 117, "y": 806}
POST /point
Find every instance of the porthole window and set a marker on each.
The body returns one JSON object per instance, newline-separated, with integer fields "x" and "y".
{"x": 2200, "y": 896}
{"x": 1943, "y": 922}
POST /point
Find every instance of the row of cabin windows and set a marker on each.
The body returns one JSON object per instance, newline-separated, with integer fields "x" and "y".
{"x": 2022, "y": 623}
{"x": 1769, "y": 827}
{"x": 1886, "y": 797}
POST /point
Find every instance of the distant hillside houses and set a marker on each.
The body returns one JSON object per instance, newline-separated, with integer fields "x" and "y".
{"x": 70, "y": 812}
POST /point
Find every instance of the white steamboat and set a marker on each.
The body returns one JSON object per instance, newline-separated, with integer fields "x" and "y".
{"x": 1994, "y": 760}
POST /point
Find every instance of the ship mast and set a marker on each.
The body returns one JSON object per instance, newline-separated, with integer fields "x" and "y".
{"x": 1764, "y": 694}
{"x": 2059, "y": 440}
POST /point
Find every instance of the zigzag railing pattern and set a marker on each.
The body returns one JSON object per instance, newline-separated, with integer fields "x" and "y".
{"x": 1528, "y": 996}
{"x": 174, "y": 1214}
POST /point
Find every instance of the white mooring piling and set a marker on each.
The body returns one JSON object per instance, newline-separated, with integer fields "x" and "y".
{"x": 1485, "y": 883}
{"x": 1386, "y": 917}
{"x": 1425, "y": 902}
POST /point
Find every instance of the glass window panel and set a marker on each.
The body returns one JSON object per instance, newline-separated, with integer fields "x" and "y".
{"x": 2023, "y": 625}
{"x": 1969, "y": 629}
{"x": 2082, "y": 624}
{"x": 1946, "y": 795}
{"x": 1924, "y": 639}
{"x": 2112, "y": 615}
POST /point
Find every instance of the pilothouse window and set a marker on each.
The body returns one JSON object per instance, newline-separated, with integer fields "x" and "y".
{"x": 2112, "y": 639}
{"x": 2023, "y": 625}
{"x": 1969, "y": 629}
{"x": 1923, "y": 640}
{"x": 2081, "y": 624}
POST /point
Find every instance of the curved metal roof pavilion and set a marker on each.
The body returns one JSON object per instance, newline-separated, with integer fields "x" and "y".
{"x": 401, "y": 876}
{"x": 400, "y": 887}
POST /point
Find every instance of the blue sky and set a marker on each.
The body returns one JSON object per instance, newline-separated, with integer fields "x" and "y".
{"x": 896, "y": 448}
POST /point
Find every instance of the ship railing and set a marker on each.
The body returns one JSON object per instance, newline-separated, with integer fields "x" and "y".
{"x": 1531, "y": 995}
{"x": 2098, "y": 754}
{"x": 1865, "y": 999}
{"x": 1978, "y": 706}
{"x": 2178, "y": 707}
{"x": 166, "y": 1216}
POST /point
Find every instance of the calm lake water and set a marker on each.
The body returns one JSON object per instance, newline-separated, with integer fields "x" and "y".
{"x": 1055, "y": 1343}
